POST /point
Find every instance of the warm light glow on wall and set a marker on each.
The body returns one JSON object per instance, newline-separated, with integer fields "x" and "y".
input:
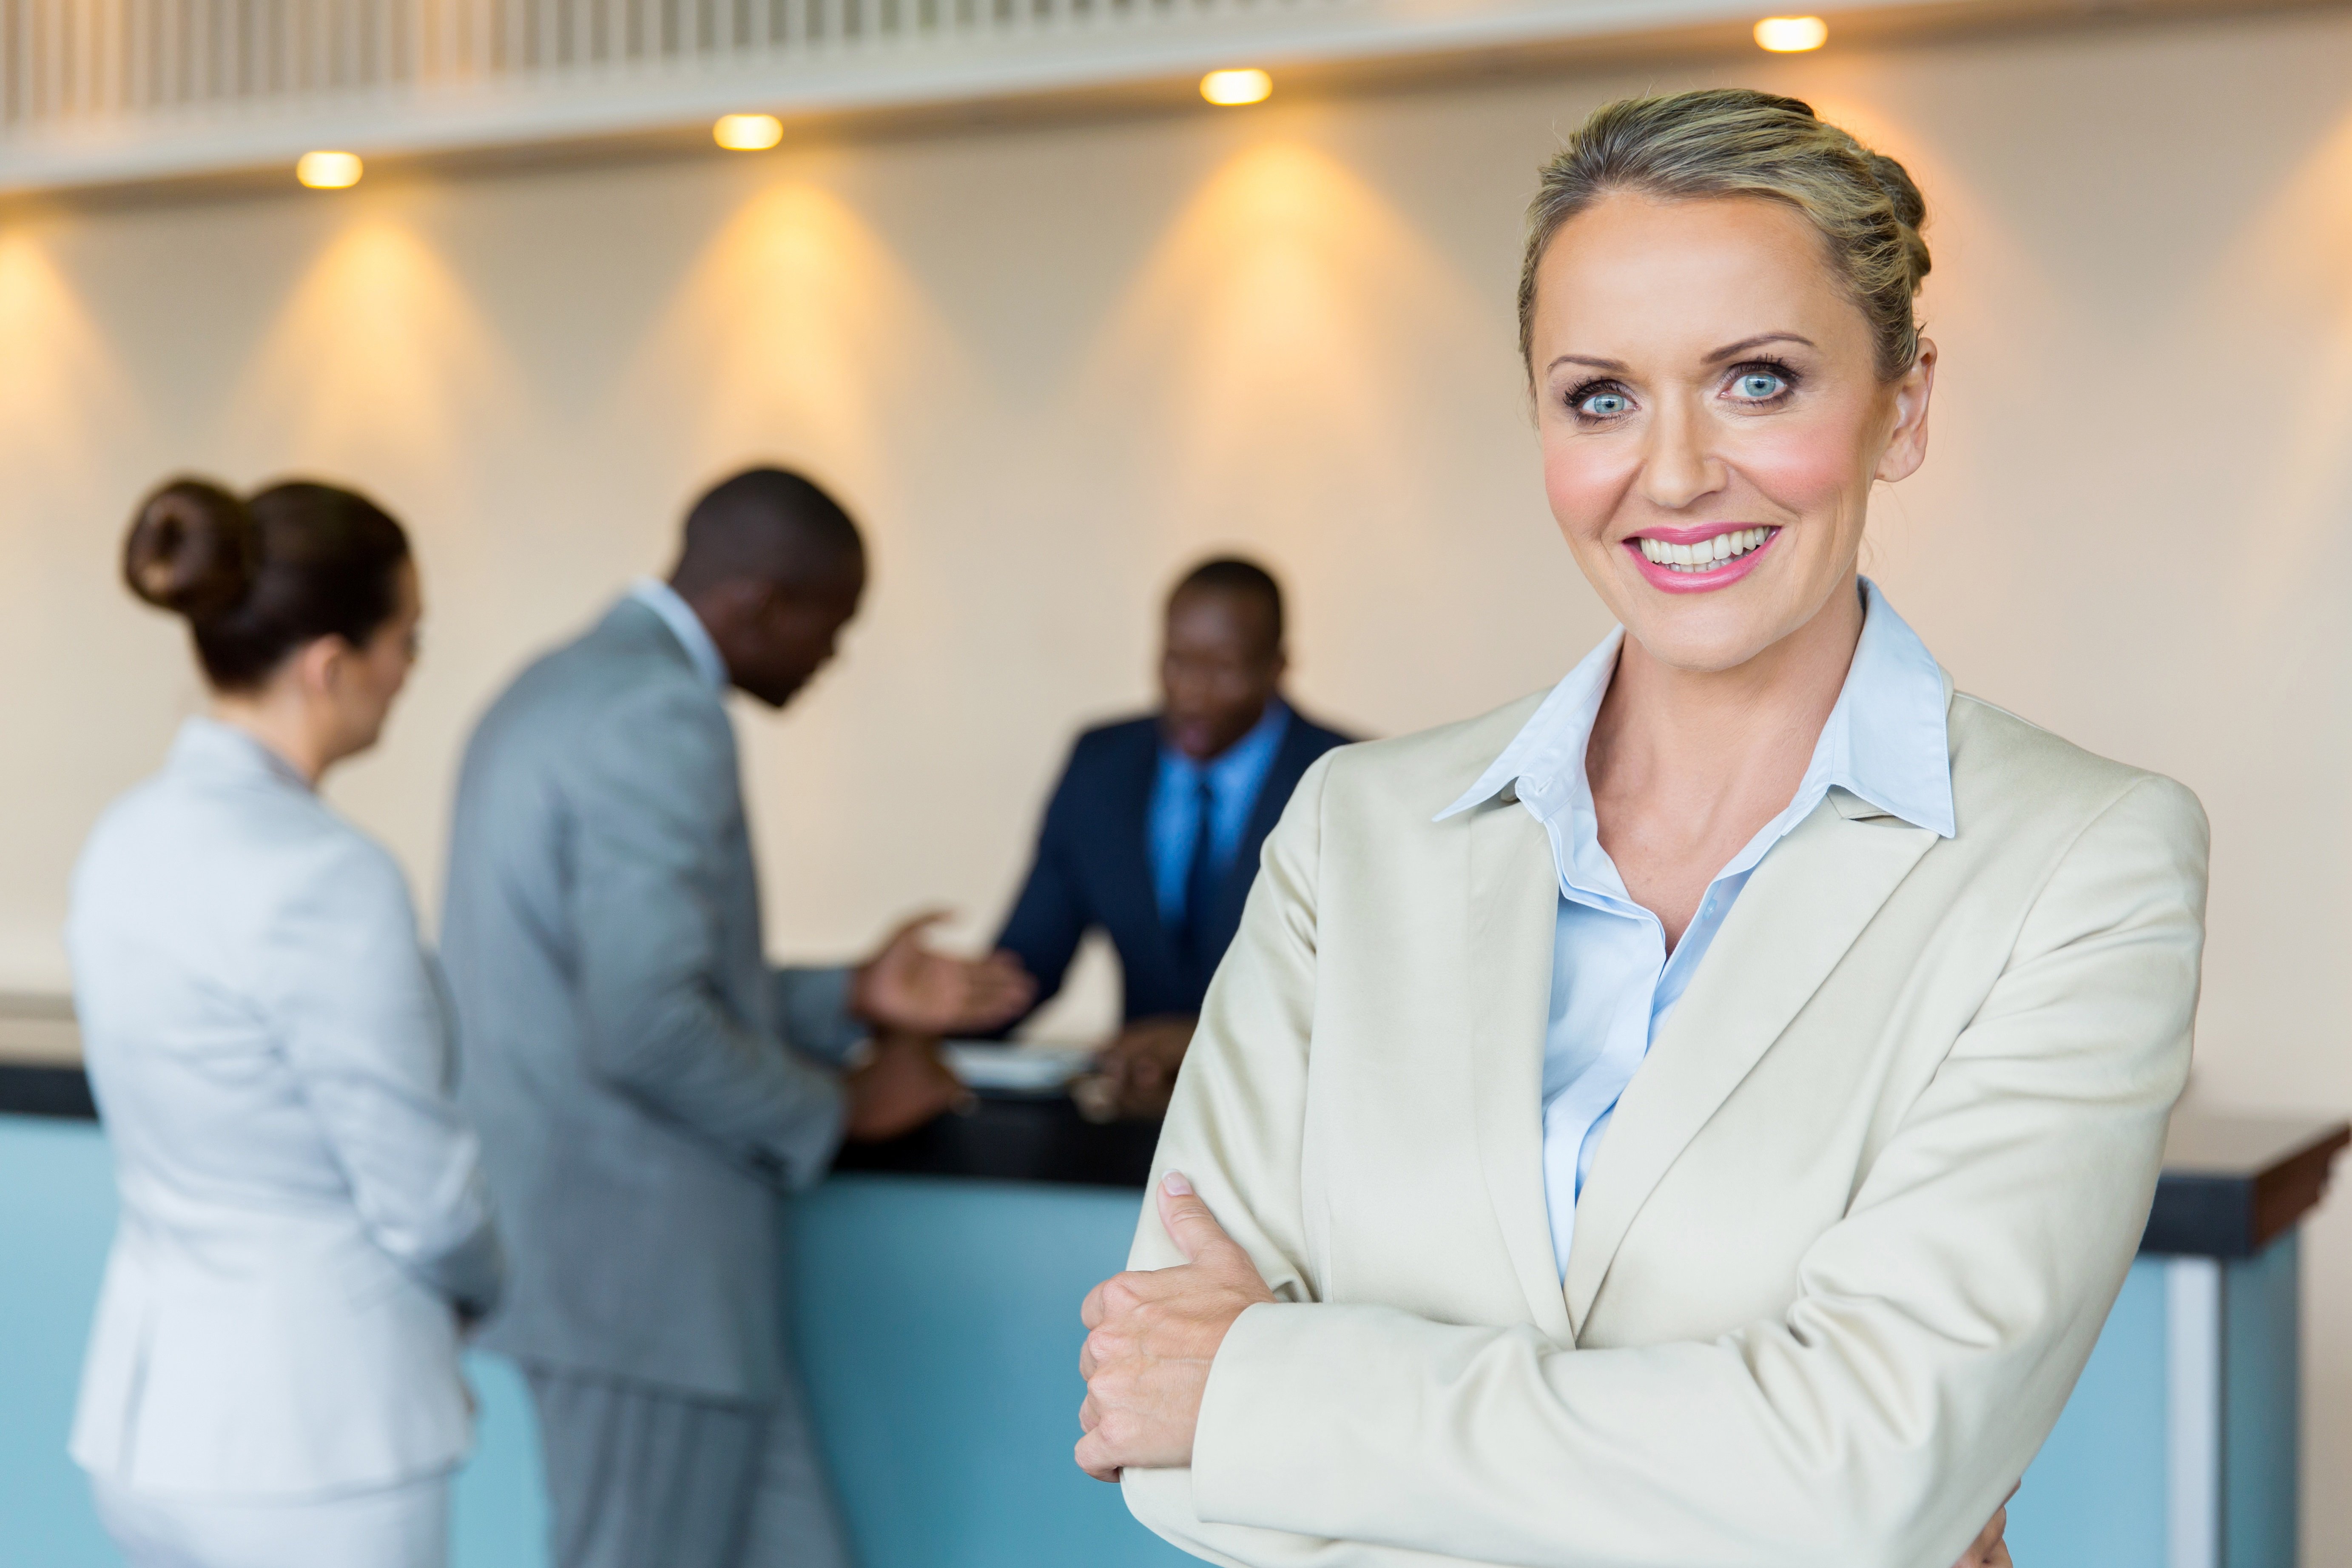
{"x": 1792, "y": 34}
{"x": 1267, "y": 347}
{"x": 748, "y": 132}
{"x": 378, "y": 362}
{"x": 63, "y": 393}
{"x": 1231, "y": 87}
{"x": 328, "y": 171}
{"x": 797, "y": 327}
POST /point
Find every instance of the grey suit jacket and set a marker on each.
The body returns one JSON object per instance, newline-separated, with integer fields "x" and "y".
{"x": 628, "y": 1054}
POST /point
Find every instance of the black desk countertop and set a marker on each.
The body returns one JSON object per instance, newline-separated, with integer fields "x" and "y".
{"x": 1017, "y": 1138}
{"x": 2231, "y": 1184}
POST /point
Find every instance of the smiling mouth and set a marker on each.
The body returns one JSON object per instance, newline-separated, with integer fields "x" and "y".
{"x": 1707, "y": 554}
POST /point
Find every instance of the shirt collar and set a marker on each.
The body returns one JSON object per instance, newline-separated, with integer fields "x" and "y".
{"x": 209, "y": 745}
{"x": 1245, "y": 756}
{"x": 685, "y": 626}
{"x": 1885, "y": 739}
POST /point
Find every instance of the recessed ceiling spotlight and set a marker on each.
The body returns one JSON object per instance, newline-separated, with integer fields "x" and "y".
{"x": 748, "y": 132}
{"x": 328, "y": 171}
{"x": 1233, "y": 88}
{"x": 1792, "y": 34}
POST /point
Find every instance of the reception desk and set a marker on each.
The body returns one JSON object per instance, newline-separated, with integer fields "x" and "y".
{"x": 935, "y": 1286}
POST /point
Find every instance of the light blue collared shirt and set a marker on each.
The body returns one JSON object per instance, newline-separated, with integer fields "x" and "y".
{"x": 1612, "y": 982}
{"x": 677, "y": 615}
{"x": 1236, "y": 775}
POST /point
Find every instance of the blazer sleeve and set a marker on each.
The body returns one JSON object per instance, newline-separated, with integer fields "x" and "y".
{"x": 648, "y": 863}
{"x": 812, "y": 1005}
{"x": 1051, "y": 914}
{"x": 364, "y": 1025}
{"x": 1937, "y": 1329}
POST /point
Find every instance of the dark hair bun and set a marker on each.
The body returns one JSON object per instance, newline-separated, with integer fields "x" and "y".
{"x": 193, "y": 549}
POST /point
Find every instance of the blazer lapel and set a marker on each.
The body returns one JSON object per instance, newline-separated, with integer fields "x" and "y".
{"x": 1801, "y": 909}
{"x": 1514, "y": 891}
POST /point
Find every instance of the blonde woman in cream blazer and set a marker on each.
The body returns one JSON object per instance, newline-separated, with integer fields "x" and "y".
{"x": 272, "y": 1379}
{"x": 1479, "y": 1241}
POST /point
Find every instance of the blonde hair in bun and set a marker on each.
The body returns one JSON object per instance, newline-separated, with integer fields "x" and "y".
{"x": 1736, "y": 141}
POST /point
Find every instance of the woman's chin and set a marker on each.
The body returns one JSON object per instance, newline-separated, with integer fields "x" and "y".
{"x": 1697, "y": 637}
{"x": 1699, "y": 655}
{"x": 1715, "y": 632}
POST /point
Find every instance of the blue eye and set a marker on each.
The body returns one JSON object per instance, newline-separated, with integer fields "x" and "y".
{"x": 1759, "y": 386}
{"x": 1603, "y": 404}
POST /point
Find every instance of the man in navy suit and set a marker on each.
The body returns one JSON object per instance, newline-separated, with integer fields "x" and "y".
{"x": 1153, "y": 832}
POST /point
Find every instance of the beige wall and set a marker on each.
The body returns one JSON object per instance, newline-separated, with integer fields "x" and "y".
{"x": 1049, "y": 366}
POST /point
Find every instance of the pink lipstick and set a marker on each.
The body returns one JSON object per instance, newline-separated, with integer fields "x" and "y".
{"x": 1701, "y": 559}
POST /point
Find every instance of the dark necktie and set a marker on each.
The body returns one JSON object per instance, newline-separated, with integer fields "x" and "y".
{"x": 1201, "y": 883}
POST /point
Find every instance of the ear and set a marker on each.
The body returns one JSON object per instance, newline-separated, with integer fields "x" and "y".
{"x": 721, "y": 609}
{"x": 735, "y": 603}
{"x": 1907, "y": 444}
{"x": 319, "y": 665}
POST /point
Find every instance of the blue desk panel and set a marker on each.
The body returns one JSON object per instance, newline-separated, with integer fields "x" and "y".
{"x": 938, "y": 1332}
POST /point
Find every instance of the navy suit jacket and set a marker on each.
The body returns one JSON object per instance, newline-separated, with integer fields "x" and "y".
{"x": 1093, "y": 867}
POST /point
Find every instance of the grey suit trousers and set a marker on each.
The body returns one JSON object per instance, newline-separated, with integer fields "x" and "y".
{"x": 642, "y": 1477}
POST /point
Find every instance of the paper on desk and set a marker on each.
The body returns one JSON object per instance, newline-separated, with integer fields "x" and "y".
{"x": 1024, "y": 1068}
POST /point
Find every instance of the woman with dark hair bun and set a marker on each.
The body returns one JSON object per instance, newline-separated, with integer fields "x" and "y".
{"x": 272, "y": 1377}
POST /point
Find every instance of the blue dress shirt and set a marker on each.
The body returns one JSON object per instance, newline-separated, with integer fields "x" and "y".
{"x": 1614, "y": 983}
{"x": 1234, "y": 775}
{"x": 678, "y": 615}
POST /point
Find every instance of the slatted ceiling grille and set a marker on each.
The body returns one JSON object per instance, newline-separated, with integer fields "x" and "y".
{"x": 67, "y": 60}
{"x": 101, "y": 91}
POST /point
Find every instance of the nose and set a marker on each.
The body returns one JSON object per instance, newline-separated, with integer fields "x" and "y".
{"x": 1680, "y": 467}
{"x": 1180, "y": 686}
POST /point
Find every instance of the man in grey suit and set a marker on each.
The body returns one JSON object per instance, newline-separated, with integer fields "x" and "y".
{"x": 646, "y": 1088}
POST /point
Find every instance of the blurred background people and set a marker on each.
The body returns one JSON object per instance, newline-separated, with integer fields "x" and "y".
{"x": 650, "y": 1089}
{"x": 1152, "y": 833}
{"x": 273, "y": 1375}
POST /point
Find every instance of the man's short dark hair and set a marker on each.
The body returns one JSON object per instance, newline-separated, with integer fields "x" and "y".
{"x": 1244, "y": 579}
{"x": 766, "y": 523}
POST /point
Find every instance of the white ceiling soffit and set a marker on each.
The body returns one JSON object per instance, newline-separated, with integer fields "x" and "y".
{"x": 97, "y": 92}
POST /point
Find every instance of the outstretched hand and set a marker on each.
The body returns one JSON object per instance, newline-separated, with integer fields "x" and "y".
{"x": 909, "y": 986}
{"x": 1153, "y": 1336}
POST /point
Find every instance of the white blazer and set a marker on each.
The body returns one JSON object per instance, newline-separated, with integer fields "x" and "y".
{"x": 301, "y": 1203}
{"x": 1847, "y": 1244}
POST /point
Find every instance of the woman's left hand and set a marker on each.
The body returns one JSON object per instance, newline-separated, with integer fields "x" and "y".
{"x": 1153, "y": 1334}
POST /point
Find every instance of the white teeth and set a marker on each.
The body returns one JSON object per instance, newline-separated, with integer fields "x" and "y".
{"x": 1706, "y": 552}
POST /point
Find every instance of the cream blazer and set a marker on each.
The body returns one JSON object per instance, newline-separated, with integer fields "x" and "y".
{"x": 1844, "y": 1251}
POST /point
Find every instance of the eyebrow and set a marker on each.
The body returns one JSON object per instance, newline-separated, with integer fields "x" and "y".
{"x": 1728, "y": 351}
{"x": 1758, "y": 342}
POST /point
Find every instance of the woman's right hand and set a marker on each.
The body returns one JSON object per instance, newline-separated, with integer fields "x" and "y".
{"x": 1989, "y": 1550}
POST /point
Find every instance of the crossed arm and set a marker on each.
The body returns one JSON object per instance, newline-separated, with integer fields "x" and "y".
{"x": 1936, "y": 1332}
{"x": 1154, "y": 1334}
